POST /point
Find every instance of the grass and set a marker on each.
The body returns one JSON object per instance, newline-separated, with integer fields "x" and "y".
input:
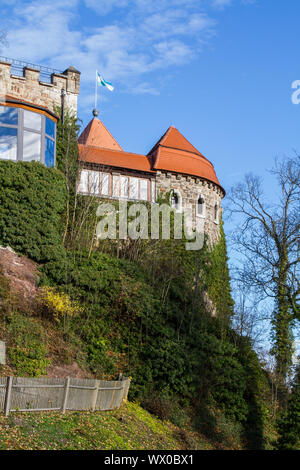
{"x": 128, "y": 428}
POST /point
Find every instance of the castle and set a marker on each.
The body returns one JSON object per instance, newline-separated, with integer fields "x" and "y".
{"x": 28, "y": 101}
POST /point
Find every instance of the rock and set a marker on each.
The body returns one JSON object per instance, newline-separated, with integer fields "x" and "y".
{"x": 21, "y": 273}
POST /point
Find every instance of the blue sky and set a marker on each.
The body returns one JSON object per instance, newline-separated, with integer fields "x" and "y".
{"x": 220, "y": 71}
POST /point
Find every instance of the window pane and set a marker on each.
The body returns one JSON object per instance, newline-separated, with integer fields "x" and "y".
{"x": 134, "y": 188}
{"x": 116, "y": 180}
{"x": 94, "y": 182}
{"x": 49, "y": 153}
{"x": 84, "y": 180}
{"x": 200, "y": 206}
{"x": 175, "y": 200}
{"x": 8, "y": 143}
{"x": 50, "y": 128}
{"x": 32, "y": 120}
{"x": 124, "y": 186}
{"x": 31, "y": 146}
{"x": 144, "y": 190}
{"x": 105, "y": 184}
{"x": 8, "y": 115}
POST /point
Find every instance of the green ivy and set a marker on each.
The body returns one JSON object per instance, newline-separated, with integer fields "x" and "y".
{"x": 32, "y": 201}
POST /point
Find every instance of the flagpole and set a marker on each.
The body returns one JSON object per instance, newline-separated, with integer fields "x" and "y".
{"x": 96, "y": 97}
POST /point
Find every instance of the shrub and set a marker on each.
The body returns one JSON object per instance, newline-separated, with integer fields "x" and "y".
{"x": 31, "y": 362}
{"x": 158, "y": 405}
{"x": 27, "y": 350}
{"x": 58, "y": 305}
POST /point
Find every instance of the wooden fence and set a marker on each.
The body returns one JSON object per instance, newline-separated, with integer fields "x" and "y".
{"x": 47, "y": 394}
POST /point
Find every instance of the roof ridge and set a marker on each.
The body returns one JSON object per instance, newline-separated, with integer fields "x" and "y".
{"x": 112, "y": 150}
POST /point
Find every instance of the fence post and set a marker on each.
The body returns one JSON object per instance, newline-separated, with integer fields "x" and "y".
{"x": 9, "y": 383}
{"x": 126, "y": 389}
{"x": 95, "y": 395}
{"x": 65, "y": 396}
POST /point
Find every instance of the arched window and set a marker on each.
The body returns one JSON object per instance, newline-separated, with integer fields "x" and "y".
{"x": 176, "y": 200}
{"x": 200, "y": 208}
{"x": 216, "y": 213}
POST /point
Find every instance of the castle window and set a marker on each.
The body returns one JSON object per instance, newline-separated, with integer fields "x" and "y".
{"x": 49, "y": 152}
{"x": 153, "y": 195}
{"x": 116, "y": 185}
{"x": 94, "y": 182}
{"x": 31, "y": 146}
{"x": 176, "y": 200}
{"x": 84, "y": 182}
{"x": 50, "y": 128}
{"x": 216, "y": 213}
{"x": 134, "y": 188}
{"x": 201, "y": 206}
{"x": 8, "y": 143}
{"x": 26, "y": 135}
{"x": 105, "y": 184}
{"x": 8, "y": 116}
{"x": 144, "y": 190}
{"x": 32, "y": 121}
{"x": 124, "y": 186}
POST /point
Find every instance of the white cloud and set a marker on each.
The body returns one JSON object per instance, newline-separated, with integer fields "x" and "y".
{"x": 148, "y": 37}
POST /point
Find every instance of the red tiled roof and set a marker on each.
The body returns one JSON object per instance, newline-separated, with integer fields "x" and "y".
{"x": 97, "y": 135}
{"x": 115, "y": 158}
{"x": 174, "y": 139}
{"x": 174, "y": 153}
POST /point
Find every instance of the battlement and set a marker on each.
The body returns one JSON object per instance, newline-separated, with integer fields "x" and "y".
{"x": 39, "y": 85}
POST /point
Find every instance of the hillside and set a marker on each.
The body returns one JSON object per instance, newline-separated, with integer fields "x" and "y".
{"x": 138, "y": 308}
{"x": 130, "y": 428}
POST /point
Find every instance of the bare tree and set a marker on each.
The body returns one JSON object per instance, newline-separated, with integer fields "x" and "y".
{"x": 251, "y": 317}
{"x": 268, "y": 240}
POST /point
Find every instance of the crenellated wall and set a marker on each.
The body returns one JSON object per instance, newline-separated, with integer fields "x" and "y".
{"x": 30, "y": 88}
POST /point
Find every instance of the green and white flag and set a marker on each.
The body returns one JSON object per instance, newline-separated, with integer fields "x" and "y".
{"x": 103, "y": 82}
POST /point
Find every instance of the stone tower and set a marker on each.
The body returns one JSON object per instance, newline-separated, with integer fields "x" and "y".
{"x": 39, "y": 85}
{"x": 173, "y": 165}
{"x": 29, "y": 97}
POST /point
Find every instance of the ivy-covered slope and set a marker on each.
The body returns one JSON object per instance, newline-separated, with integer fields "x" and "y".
{"x": 144, "y": 315}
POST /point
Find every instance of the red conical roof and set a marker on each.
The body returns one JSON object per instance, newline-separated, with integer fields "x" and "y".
{"x": 174, "y": 139}
{"x": 97, "y": 135}
{"x": 174, "y": 153}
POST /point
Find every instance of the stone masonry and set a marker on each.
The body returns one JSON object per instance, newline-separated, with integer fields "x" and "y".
{"x": 30, "y": 89}
{"x": 189, "y": 189}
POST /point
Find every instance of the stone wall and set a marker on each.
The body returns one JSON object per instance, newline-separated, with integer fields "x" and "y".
{"x": 189, "y": 189}
{"x": 48, "y": 95}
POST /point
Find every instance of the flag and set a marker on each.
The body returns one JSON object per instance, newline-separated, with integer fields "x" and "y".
{"x": 103, "y": 82}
